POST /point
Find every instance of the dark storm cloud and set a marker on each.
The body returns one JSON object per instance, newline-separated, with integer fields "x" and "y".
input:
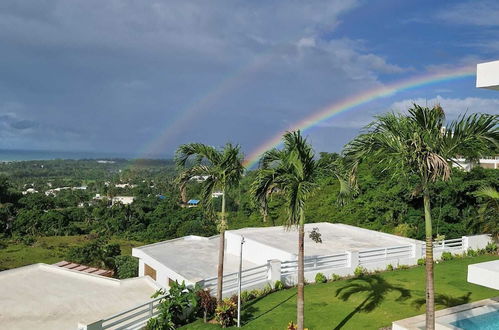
{"x": 115, "y": 75}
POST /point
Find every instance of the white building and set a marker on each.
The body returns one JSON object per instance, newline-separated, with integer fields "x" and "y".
{"x": 47, "y": 297}
{"x": 125, "y": 200}
{"x": 487, "y": 75}
{"x": 269, "y": 254}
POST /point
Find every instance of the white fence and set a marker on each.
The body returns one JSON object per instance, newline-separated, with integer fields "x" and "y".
{"x": 315, "y": 263}
{"x": 388, "y": 253}
{"x": 134, "y": 318}
{"x": 251, "y": 277}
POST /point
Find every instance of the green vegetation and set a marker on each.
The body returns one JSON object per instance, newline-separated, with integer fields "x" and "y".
{"x": 390, "y": 296}
{"x": 423, "y": 145}
{"x": 49, "y": 249}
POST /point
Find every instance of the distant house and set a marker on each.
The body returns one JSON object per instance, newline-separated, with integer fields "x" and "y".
{"x": 125, "y": 200}
{"x": 53, "y": 192}
{"x": 486, "y": 162}
{"x": 200, "y": 178}
{"x": 193, "y": 203}
{"x": 217, "y": 194}
{"x": 29, "y": 191}
{"x": 125, "y": 185}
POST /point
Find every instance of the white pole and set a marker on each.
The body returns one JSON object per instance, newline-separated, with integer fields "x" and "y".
{"x": 240, "y": 281}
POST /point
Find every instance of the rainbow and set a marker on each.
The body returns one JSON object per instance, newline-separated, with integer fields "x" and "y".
{"x": 356, "y": 100}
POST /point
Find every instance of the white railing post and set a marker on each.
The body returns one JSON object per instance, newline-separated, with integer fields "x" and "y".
{"x": 151, "y": 311}
{"x": 315, "y": 263}
{"x": 92, "y": 326}
{"x": 274, "y": 273}
{"x": 353, "y": 258}
{"x": 465, "y": 243}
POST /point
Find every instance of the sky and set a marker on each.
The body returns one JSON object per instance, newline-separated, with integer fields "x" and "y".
{"x": 139, "y": 78}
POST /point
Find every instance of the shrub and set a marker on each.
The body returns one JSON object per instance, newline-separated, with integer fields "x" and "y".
{"x": 267, "y": 289}
{"x": 335, "y": 277}
{"x": 179, "y": 306}
{"x": 291, "y": 326}
{"x": 447, "y": 256}
{"x": 491, "y": 247}
{"x": 126, "y": 266}
{"x": 28, "y": 240}
{"x": 256, "y": 293}
{"x": 247, "y": 296}
{"x": 471, "y": 253}
{"x": 207, "y": 303}
{"x": 389, "y": 267}
{"x": 403, "y": 267}
{"x": 278, "y": 285}
{"x": 226, "y": 313}
{"x": 320, "y": 278}
{"x": 360, "y": 271}
{"x": 421, "y": 261}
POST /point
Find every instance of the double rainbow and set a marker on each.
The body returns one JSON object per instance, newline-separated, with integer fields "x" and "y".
{"x": 356, "y": 100}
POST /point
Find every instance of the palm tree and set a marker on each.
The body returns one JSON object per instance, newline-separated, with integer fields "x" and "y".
{"x": 419, "y": 144}
{"x": 489, "y": 211}
{"x": 223, "y": 169}
{"x": 292, "y": 172}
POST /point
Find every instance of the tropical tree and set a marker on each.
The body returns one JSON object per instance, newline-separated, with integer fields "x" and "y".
{"x": 223, "y": 170}
{"x": 419, "y": 144}
{"x": 293, "y": 172}
{"x": 489, "y": 211}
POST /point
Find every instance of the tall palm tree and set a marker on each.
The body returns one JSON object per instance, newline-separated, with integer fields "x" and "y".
{"x": 223, "y": 169}
{"x": 419, "y": 143}
{"x": 293, "y": 172}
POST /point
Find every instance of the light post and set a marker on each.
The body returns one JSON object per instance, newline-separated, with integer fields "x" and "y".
{"x": 240, "y": 281}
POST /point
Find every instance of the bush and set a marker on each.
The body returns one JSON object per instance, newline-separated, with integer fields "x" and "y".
{"x": 471, "y": 253}
{"x": 247, "y": 296}
{"x": 389, "y": 267}
{"x": 179, "y": 306}
{"x": 335, "y": 277}
{"x": 421, "y": 261}
{"x": 278, "y": 285}
{"x": 267, "y": 289}
{"x": 291, "y": 326}
{"x": 360, "y": 271}
{"x": 126, "y": 266}
{"x": 320, "y": 278}
{"x": 491, "y": 247}
{"x": 207, "y": 303}
{"x": 226, "y": 313}
{"x": 403, "y": 267}
{"x": 446, "y": 256}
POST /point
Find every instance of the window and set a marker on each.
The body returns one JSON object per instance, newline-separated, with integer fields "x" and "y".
{"x": 148, "y": 270}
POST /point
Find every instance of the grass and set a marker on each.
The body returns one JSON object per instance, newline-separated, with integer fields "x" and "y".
{"x": 394, "y": 295}
{"x": 48, "y": 250}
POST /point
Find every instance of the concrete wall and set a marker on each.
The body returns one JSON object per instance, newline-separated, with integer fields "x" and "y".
{"x": 476, "y": 242}
{"x": 487, "y": 75}
{"x": 254, "y": 252}
{"x": 163, "y": 273}
{"x": 484, "y": 275}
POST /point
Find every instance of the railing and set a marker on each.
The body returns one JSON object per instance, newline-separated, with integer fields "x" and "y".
{"x": 393, "y": 252}
{"x": 449, "y": 244}
{"x": 316, "y": 263}
{"x": 250, "y": 276}
{"x": 134, "y": 318}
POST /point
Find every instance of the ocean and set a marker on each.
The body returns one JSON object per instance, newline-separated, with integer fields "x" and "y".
{"x": 19, "y": 155}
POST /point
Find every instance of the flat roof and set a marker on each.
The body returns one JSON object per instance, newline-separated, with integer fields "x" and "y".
{"x": 42, "y": 296}
{"x": 336, "y": 238}
{"x": 193, "y": 257}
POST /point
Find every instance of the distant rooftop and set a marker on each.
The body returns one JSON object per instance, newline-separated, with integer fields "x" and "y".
{"x": 44, "y": 296}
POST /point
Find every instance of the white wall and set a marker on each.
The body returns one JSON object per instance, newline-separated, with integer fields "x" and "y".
{"x": 487, "y": 75}
{"x": 253, "y": 251}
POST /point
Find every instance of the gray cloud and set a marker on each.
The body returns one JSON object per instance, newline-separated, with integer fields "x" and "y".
{"x": 119, "y": 75}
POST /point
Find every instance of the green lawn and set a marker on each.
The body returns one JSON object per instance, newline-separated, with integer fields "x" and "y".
{"x": 48, "y": 250}
{"x": 323, "y": 310}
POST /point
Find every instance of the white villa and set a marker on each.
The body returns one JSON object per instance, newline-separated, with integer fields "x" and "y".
{"x": 269, "y": 254}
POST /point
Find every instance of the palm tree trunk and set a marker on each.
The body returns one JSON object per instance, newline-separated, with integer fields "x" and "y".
{"x": 430, "y": 290}
{"x": 221, "y": 251}
{"x": 301, "y": 275}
